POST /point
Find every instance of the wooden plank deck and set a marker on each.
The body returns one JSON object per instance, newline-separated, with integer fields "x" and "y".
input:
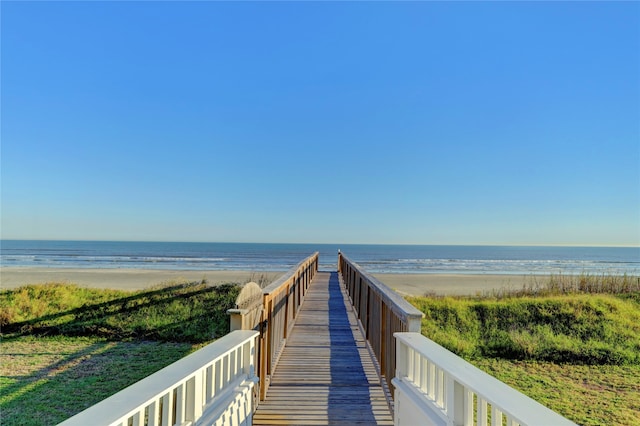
{"x": 326, "y": 374}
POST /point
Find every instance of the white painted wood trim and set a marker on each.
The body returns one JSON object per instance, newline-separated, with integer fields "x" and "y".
{"x": 177, "y": 377}
{"x": 456, "y": 381}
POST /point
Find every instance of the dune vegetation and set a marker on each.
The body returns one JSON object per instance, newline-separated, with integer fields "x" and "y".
{"x": 572, "y": 343}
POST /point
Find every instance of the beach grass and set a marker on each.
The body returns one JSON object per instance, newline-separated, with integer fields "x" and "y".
{"x": 579, "y": 329}
{"x": 65, "y": 348}
{"x": 572, "y": 343}
{"x": 567, "y": 284}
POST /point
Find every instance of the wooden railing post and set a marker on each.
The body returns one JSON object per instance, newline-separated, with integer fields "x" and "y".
{"x": 382, "y": 356}
{"x": 282, "y": 300}
{"x": 286, "y": 310}
{"x": 248, "y": 308}
{"x": 394, "y": 313}
{"x": 270, "y": 332}
{"x": 262, "y": 373}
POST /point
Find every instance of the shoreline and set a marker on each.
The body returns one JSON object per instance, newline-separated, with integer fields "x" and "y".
{"x": 138, "y": 279}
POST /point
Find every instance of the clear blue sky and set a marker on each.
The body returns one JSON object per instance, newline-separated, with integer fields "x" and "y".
{"x": 411, "y": 122}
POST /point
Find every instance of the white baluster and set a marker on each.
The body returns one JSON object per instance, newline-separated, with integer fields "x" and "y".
{"x": 439, "y": 387}
{"x": 410, "y": 364}
{"x": 209, "y": 383}
{"x": 152, "y": 419}
{"x": 424, "y": 366}
{"x": 417, "y": 371}
{"x": 431, "y": 384}
{"x": 496, "y": 416}
{"x": 450, "y": 397}
{"x": 217, "y": 377}
{"x": 167, "y": 409}
{"x": 482, "y": 412}
{"x": 468, "y": 407}
{"x": 136, "y": 418}
{"x": 180, "y": 404}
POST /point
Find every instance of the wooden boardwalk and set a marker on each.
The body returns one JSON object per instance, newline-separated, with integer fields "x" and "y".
{"x": 326, "y": 374}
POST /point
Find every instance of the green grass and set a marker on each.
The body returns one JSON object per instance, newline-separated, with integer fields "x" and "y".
{"x": 183, "y": 312}
{"x": 568, "y": 343}
{"x": 45, "y": 380}
{"x": 580, "y": 329}
{"x": 586, "y": 394}
{"x": 65, "y": 348}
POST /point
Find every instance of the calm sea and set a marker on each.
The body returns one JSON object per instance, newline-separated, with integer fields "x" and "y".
{"x": 281, "y": 257}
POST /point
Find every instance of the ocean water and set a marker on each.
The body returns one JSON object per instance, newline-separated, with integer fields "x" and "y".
{"x": 281, "y": 257}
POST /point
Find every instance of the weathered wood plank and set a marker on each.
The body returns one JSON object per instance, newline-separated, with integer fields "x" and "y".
{"x": 325, "y": 374}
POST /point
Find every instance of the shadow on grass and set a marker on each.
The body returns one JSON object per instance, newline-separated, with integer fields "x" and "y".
{"x": 191, "y": 312}
{"x": 77, "y": 374}
{"x": 87, "y": 308}
{"x": 57, "y": 364}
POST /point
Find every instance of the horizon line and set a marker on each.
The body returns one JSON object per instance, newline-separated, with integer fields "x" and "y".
{"x": 337, "y": 243}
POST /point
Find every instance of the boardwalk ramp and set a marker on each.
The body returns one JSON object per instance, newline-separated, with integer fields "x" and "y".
{"x": 326, "y": 374}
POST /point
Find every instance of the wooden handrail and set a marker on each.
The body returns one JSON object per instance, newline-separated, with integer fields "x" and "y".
{"x": 381, "y": 311}
{"x": 281, "y": 302}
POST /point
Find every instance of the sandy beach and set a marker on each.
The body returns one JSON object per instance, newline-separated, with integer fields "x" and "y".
{"x": 452, "y": 284}
{"x": 136, "y": 279}
{"x": 122, "y": 279}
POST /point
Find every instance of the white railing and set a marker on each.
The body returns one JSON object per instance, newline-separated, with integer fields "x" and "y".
{"x": 436, "y": 387}
{"x": 212, "y": 386}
